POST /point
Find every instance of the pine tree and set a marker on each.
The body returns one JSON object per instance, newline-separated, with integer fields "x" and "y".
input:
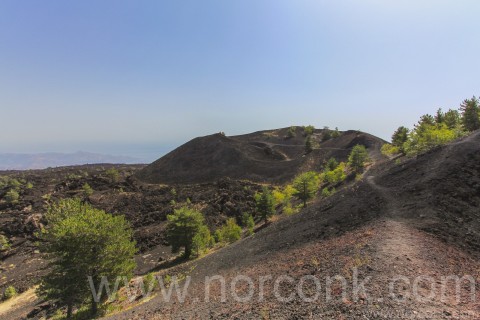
{"x": 183, "y": 225}
{"x": 399, "y": 137}
{"x": 470, "y": 114}
{"x": 306, "y": 186}
{"x": 308, "y": 144}
{"x": 358, "y": 157}
{"x": 265, "y": 204}
{"x": 80, "y": 242}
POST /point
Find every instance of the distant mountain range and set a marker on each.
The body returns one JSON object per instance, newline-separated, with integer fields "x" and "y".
{"x": 23, "y": 161}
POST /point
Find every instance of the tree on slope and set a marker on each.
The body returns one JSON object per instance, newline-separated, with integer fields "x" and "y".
{"x": 81, "y": 242}
{"x": 183, "y": 225}
{"x": 265, "y": 204}
{"x": 358, "y": 157}
{"x": 306, "y": 186}
{"x": 470, "y": 114}
{"x": 399, "y": 137}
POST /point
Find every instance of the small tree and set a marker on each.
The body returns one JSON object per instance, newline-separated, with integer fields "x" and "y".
{"x": 183, "y": 225}
{"x": 265, "y": 204}
{"x": 452, "y": 119}
{"x": 203, "y": 240}
{"x": 308, "y": 130}
{"x": 336, "y": 133}
{"x": 327, "y": 134}
{"x": 113, "y": 175}
{"x": 358, "y": 157}
{"x": 83, "y": 243}
{"x": 399, "y": 137}
{"x": 331, "y": 164}
{"x": 12, "y": 196}
{"x": 470, "y": 114}
{"x": 87, "y": 190}
{"x": 306, "y": 186}
{"x": 248, "y": 222}
{"x": 292, "y": 132}
{"x": 308, "y": 144}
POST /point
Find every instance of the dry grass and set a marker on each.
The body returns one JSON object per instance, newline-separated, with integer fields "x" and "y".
{"x": 19, "y": 301}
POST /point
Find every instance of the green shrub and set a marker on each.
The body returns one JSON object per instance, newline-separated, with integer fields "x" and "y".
{"x": 12, "y": 196}
{"x": 308, "y": 144}
{"x": 389, "y": 150}
{"x": 308, "y": 130}
{"x": 327, "y": 193}
{"x": 149, "y": 282}
{"x": 230, "y": 232}
{"x": 335, "y": 133}
{"x": 29, "y": 185}
{"x": 336, "y": 175}
{"x": 292, "y": 132}
{"x": 248, "y": 223}
{"x": 327, "y": 134}
{"x": 113, "y": 174}
{"x": 202, "y": 240}
{"x": 87, "y": 190}
{"x": 9, "y": 293}
{"x": 15, "y": 184}
{"x": 4, "y": 243}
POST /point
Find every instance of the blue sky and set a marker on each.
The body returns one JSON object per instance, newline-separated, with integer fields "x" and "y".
{"x": 140, "y": 77}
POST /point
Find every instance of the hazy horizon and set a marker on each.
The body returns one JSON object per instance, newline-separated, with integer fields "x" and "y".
{"x": 140, "y": 78}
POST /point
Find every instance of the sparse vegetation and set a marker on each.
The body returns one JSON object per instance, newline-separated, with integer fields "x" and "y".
{"x": 81, "y": 242}
{"x": 12, "y": 196}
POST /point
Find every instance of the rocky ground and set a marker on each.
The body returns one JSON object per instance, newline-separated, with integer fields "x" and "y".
{"x": 409, "y": 220}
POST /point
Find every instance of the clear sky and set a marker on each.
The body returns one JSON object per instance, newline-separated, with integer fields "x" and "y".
{"x": 139, "y": 77}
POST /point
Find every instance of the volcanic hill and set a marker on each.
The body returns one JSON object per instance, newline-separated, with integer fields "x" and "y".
{"x": 271, "y": 156}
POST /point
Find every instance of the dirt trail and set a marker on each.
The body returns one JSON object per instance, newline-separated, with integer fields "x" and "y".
{"x": 19, "y": 306}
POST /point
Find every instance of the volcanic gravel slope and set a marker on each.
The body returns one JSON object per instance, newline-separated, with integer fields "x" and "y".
{"x": 416, "y": 218}
{"x": 265, "y": 156}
